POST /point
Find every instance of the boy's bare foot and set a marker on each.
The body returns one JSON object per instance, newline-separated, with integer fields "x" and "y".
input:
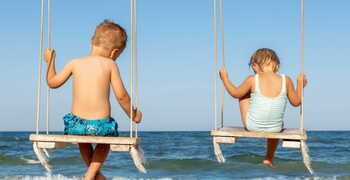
{"x": 268, "y": 163}
{"x": 100, "y": 176}
{"x": 87, "y": 177}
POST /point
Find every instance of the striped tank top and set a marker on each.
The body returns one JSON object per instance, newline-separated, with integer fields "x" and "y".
{"x": 265, "y": 114}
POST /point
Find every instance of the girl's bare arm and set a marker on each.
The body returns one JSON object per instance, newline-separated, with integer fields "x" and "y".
{"x": 241, "y": 90}
{"x": 294, "y": 95}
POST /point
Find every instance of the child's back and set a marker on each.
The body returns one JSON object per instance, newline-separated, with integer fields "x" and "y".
{"x": 267, "y": 103}
{"x": 91, "y": 86}
{"x": 270, "y": 84}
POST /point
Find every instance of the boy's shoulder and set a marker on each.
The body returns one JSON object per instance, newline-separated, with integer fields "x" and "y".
{"x": 74, "y": 61}
{"x": 91, "y": 59}
{"x": 88, "y": 62}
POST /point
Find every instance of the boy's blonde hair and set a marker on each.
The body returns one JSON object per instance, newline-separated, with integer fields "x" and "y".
{"x": 265, "y": 56}
{"x": 109, "y": 35}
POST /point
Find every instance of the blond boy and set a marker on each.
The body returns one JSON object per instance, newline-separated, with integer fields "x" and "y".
{"x": 93, "y": 76}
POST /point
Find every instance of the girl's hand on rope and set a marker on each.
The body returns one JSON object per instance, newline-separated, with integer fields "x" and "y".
{"x": 50, "y": 55}
{"x": 138, "y": 116}
{"x": 223, "y": 73}
{"x": 302, "y": 79}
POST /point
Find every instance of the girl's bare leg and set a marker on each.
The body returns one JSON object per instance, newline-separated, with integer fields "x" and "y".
{"x": 243, "y": 107}
{"x": 98, "y": 158}
{"x": 86, "y": 151}
{"x": 270, "y": 153}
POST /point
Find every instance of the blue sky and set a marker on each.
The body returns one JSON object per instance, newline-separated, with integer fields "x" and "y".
{"x": 176, "y": 57}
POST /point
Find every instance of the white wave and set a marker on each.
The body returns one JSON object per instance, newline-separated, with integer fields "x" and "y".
{"x": 124, "y": 178}
{"x": 30, "y": 161}
{"x": 48, "y": 177}
{"x": 61, "y": 177}
{"x": 297, "y": 178}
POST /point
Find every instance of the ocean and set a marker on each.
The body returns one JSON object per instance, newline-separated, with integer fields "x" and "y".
{"x": 184, "y": 155}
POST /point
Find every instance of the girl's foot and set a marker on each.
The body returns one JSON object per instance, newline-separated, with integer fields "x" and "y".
{"x": 268, "y": 163}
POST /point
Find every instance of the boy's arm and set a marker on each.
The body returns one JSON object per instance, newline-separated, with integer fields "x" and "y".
{"x": 122, "y": 95}
{"x": 236, "y": 92}
{"x": 294, "y": 95}
{"x": 55, "y": 80}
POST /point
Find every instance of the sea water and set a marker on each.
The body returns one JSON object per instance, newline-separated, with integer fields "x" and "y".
{"x": 184, "y": 155}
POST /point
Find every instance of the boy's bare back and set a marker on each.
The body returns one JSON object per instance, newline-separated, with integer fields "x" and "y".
{"x": 92, "y": 77}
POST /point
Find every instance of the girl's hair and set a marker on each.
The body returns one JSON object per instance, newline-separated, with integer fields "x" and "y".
{"x": 265, "y": 56}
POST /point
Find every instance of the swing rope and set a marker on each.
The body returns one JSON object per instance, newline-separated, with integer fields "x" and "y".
{"x": 215, "y": 67}
{"x": 48, "y": 98}
{"x": 41, "y": 45}
{"x": 134, "y": 81}
{"x": 131, "y": 66}
{"x": 222, "y": 62}
{"x": 137, "y": 92}
{"x": 218, "y": 124}
{"x": 38, "y": 88}
{"x": 302, "y": 63}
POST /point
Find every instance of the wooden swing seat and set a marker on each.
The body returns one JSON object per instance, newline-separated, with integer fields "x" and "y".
{"x": 50, "y": 141}
{"x": 291, "y": 137}
{"x": 120, "y": 144}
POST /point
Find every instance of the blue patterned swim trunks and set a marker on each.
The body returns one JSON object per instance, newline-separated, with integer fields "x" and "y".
{"x": 74, "y": 125}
